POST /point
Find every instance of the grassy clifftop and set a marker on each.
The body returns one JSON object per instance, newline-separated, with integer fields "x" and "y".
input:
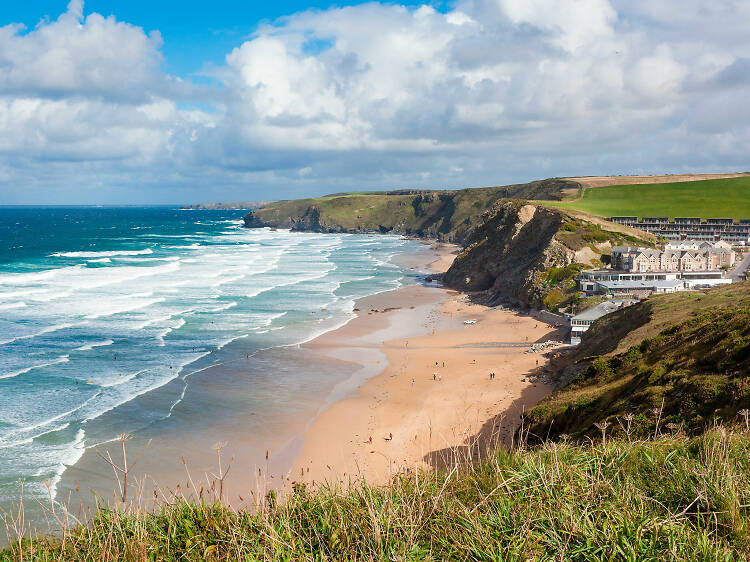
{"x": 447, "y": 215}
{"x": 714, "y": 198}
{"x": 673, "y": 498}
{"x": 680, "y": 360}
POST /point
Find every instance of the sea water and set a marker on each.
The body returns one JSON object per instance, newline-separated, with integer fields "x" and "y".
{"x": 101, "y": 306}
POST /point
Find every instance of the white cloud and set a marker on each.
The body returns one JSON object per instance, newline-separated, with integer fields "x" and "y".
{"x": 381, "y": 95}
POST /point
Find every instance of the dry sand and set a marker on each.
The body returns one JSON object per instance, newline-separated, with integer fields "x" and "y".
{"x": 434, "y": 392}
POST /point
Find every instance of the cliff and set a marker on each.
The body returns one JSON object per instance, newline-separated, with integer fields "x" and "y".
{"x": 530, "y": 255}
{"x": 515, "y": 252}
{"x": 444, "y": 215}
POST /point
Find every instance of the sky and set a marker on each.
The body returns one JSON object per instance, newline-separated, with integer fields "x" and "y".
{"x": 166, "y": 102}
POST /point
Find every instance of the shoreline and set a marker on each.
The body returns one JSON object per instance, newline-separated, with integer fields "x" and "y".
{"x": 229, "y": 392}
{"x": 411, "y": 418}
{"x": 352, "y": 367}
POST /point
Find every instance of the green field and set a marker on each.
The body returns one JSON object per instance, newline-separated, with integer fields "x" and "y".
{"x": 722, "y": 198}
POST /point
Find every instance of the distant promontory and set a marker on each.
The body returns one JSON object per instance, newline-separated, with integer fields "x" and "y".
{"x": 236, "y": 205}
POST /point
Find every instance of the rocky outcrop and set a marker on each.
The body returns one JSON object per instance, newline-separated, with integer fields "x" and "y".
{"x": 506, "y": 258}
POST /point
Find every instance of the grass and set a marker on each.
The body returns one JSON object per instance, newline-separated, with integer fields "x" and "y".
{"x": 444, "y": 214}
{"x": 686, "y": 355}
{"x": 672, "y": 497}
{"x": 718, "y": 198}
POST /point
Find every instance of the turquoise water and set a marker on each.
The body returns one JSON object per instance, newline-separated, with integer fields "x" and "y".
{"x": 101, "y": 306}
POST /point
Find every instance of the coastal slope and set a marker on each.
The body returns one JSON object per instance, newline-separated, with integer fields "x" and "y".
{"x": 680, "y": 361}
{"x": 524, "y": 254}
{"x": 448, "y": 216}
{"x": 529, "y": 255}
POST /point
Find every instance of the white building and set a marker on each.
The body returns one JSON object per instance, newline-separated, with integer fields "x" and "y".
{"x": 582, "y": 321}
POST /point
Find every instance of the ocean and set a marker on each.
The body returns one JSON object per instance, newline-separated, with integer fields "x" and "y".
{"x": 107, "y": 313}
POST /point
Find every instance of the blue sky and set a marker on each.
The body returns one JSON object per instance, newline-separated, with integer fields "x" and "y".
{"x": 107, "y": 101}
{"x": 196, "y": 34}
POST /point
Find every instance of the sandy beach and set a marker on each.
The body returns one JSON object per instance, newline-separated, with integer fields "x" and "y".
{"x": 407, "y": 366}
{"x": 434, "y": 393}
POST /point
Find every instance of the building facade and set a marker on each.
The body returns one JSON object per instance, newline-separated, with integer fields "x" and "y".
{"x": 689, "y": 255}
{"x": 710, "y": 230}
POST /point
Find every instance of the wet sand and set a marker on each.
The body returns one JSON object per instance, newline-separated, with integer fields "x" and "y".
{"x": 362, "y": 380}
{"x": 433, "y": 393}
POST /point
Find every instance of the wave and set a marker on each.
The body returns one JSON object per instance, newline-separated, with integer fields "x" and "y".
{"x": 113, "y": 253}
{"x": 159, "y": 319}
{"x": 88, "y": 346}
{"x": 101, "y": 260}
{"x": 180, "y": 323}
{"x": 27, "y": 278}
{"x": 126, "y": 308}
{"x": 61, "y": 359}
{"x": 75, "y": 452}
{"x": 24, "y": 293}
{"x": 47, "y": 330}
{"x": 12, "y": 305}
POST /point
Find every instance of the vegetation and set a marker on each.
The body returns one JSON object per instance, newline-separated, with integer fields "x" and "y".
{"x": 719, "y": 198}
{"x": 559, "y": 285}
{"x": 448, "y": 215}
{"x": 673, "y": 497}
{"x": 680, "y": 359}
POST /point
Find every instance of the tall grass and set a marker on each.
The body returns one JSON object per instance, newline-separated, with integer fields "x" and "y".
{"x": 670, "y": 498}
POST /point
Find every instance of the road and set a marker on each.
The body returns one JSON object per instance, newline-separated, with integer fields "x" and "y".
{"x": 737, "y": 273}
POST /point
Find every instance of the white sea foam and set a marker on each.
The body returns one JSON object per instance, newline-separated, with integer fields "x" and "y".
{"x": 23, "y": 293}
{"x": 176, "y": 326}
{"x": 30, "y": 278}
{"x": 119, "y": 309}
{"x": 110, "y": 254}
{"x": 89, "y": 346}
{"x": 61, "y": 359}
{"x": 47, "y": 330}
{"x": 244, "y": 263}
{"x": 12, "y": 305}
{"x": 74, "y": 453}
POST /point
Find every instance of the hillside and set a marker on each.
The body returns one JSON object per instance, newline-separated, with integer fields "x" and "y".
{"x": 673, "y": 498}
{"x": 530, "y": 255}
{"x": 683, "y": 359}
{"x": 714, "y": 198}
{"x": 446, "y": 215}
{"x": 527, "y": 255}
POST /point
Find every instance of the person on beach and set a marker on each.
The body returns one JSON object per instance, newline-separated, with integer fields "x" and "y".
{"x": 390, "y": 436}
{"x": 440, "y": 378}
{"x": 434, "y": 376}
{"x": 412, "y": 381}
{"x": 370, "y": 438}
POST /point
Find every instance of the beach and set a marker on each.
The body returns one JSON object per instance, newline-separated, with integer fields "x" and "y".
{"x": 411, "y": 371}
{"x": 433, "y": 397}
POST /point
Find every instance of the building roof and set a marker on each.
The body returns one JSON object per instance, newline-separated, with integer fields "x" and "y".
{"x": 602, "y": 309}
{"x": 655, "y": 284}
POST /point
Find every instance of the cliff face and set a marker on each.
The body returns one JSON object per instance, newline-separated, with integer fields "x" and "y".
{"x": 507, "y": 256}
{"x": 515, "y": 252}
{"x": 450, "y": 216}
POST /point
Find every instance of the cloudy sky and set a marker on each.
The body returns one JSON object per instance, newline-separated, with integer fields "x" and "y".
{"x": 128, "y": 102}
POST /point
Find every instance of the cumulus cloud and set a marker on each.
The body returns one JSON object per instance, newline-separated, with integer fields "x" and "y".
{"x": 381, "y": 95}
